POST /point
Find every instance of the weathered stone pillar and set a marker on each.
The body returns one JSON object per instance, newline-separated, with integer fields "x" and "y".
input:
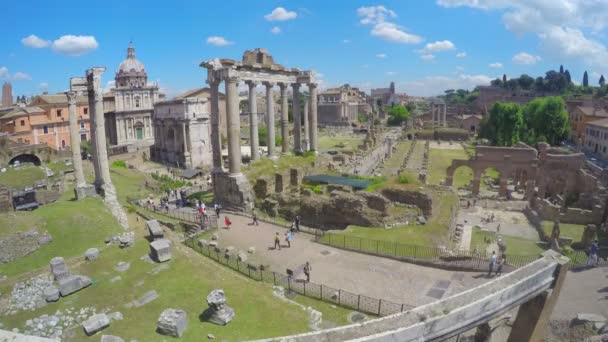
{"x": 476, "y": 184}
{"x": 187, "y": 163}
{"x": 312, "y": 89}
{"x": 270, "y": 118}
{"x": 502, "y": 187}
{"x": 253, "y": 121}
{"x": 216, "y": 144}
{"x": 75, "y": 141}
{"x": 306, "y": 141}
{"x": 234, "y": 125}
{"x": 533, "y": 316}
{"x": 297, "y": 119}
{"x": 96, "y": 106}
{"x": 445, "y": 115}
{"x": 284, "y": 119}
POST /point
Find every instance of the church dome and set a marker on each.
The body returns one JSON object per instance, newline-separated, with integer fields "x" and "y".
{"x": 131, "y": 72}
{"x": 131, "y": 64}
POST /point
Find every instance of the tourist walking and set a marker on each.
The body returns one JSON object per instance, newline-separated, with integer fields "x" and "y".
{"x": 297, "y": 222}
{"x": 501, "y": 261}
{"x": 307, "y": 270}
{"x": 288, "y": 238}
{"x": 277, "y": 242}
{"x": 217, "y": 208}
{"x": 592, "y": 257}
{"x": 255, "y": 218}
{"x": 492, "y": 263}
{"x": 227, "y": 222}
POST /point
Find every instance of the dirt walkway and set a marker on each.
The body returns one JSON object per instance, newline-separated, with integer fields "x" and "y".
{"x": 358, "y": 273}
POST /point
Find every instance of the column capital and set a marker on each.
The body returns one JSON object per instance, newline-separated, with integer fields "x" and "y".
{"x": 231, "y": 79}
{"x": 71, "y": 97}
{"x": 282, "y": 85}
{"x": 312, "y": 86}
{"x": 296, "y": 86}
{"x": 213, "y": 82}
{"x": 252, "y": 84}
{"x": 269, "y": 84}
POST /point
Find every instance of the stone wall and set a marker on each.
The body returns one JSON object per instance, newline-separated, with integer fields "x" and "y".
{"x": 232, "y": 190}
{"x": 419, "y": 199}
{"x": 20, "y": 244}
{"x": 367, "y": 164}
{"x": 551, "y": 212}
{"x": 6, "y": 199}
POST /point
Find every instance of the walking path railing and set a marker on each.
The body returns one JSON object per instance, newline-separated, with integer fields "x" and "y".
{"x": 373, "y": 306}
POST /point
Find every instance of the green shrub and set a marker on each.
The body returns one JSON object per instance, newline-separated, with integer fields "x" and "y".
{"x": 407, "y": 178}
{"x": 119, "y": 163}
{"x": 316, "y": 188}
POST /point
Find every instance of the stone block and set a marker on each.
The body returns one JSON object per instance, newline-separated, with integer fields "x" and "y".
{"x": 111, "y": 338}
{"x": 160, "y": 250}
{"x": 95, "y": 323}
{"x": 251, "y": 250}
{"x": 242, "y": 256}
{"x": 218, "y": 312}
{"x": 155, "y": 229}
{"x": 172, "y": 322}
{"x": 587, "y": 317}
{"x": 214, "y": 237}
{"x": 59, "y": 269}
{"x": 279, "y": 185}
{"x": 295, "y": 177}
{"x": 229, "y": 250}
{"x": 203, "y": 243}
{"x": 91, "y": 254}
{"x": 126, "y": 239}
{"x": 213, "y": 244}
{"x": 51, "y": 294}
{"x": 72, "y": 284}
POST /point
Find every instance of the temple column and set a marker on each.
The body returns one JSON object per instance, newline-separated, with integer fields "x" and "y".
{"x": 234, "y": 125}
{"x": 253, "y": 121}
{"x": 445, "y": 114}
{"x": 94, "y": 86}
{"x": 93, "y": 132}
{"x": 297, "y": 119}
{"x": 270, "y": 118}
{"x": 312, "y": 117}
{"x": 186, "y": 151}
{"x": 75, "y": 142}
{"x": 284, "y": 119}
{"x": 216, "y": 144}
{"x": 306, "y": 141}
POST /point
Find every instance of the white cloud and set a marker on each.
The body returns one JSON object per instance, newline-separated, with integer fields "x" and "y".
{"x": 526, "y": 58}
{"x": 4, "y": 73}
{"x": 74, "y": 45}
{"x": 280, "y": 14}
{"x": 376, "y": 16}
{"x": 496, "y": 65}
{"x": 218, "y": 41}
{"x": 275, "y": 30}
{"x": 461, "y": 54}
{"x": 35, "y": 42}
{"x": 346, "y": 41}
{"x": 21, "y": 76}
{"x": 435, "y": 85}
{"x": 427, "y": 57}
{"x": 390, "y": 73}
{"x": 109, "y": 86}
{"x": 381, "y": 55}
{"x": 43, "y": 86}
{"x": 562, "y": 26}
{"x": 438, "y": 46}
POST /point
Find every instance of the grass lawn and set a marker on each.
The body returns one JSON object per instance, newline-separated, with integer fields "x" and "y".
{"x": 23, "y": 177}
{"x": 393, "y": 164}
{"x": 130, "y": 183}
{"x": 74, "y": 225}
{"x": 184, "y": 285}
{"x": 327, "y": 143}
{"x": 440, "y": 160}
{"x": 515, "y": 245}
{"x": 574, "y": 231}
{"x": 429, "y": 235}
{"x": 267, "y": 167}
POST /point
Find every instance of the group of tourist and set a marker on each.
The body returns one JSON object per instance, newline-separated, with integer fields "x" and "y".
{"x": 496, "y": 263}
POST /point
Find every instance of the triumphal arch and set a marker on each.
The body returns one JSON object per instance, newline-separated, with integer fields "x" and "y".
{"x": 257, "y": 67}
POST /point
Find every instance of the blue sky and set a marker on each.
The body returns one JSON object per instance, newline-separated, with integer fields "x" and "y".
{"x": 424, "y": 46}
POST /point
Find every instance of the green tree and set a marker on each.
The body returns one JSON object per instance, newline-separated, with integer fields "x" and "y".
{"x": 525, "y": 81}
{"x": 86, "y": 148}
{"x": 545, "y": 119}
{"x": 503, "y": 125}
{"x": 263, "y": 137}
{"x": 497, "y": 82}
{"x": 397, "y": 114}
{"x": 561, "y": 69}
{"x": 602, "y": 81}
{"x": 585, "y": 79}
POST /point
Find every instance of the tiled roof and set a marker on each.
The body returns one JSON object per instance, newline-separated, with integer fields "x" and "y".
{"x": 599, "y": 123}
{"x": 58, "y": 99}
{"x": 591, "y": 111}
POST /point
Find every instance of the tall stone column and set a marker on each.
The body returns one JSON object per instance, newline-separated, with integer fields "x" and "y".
{"x": 102, "y": 167}
{"x": 234, "y": 125}
{"x": 186, "y": 151}
{"x": 306, "y": 141}
{"x": 312, "y": 117}
{"x": 91, "y": 100}
{"x": 216, "y": 144}
{"x": 297, "y": 119}
{"x": 270, "y": 118}
{"x": 253, "y": 121}
{"x": 445, "y": 115}
{"x": 284, "y": 119}
{"x": 75, "y": 145}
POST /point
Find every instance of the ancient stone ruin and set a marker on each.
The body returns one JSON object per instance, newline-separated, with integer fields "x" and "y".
{"x": 20, "y": 244}
{"x": 95, "y": 323}
{"x": 67, "y": 283}
{"x": 218, "y": 312}
{"x": 172, "y": 322}
{"x": 160, "y": 250}
{"x": 155, "y": 229}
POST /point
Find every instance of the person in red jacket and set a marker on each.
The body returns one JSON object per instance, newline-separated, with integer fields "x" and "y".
{"x": 227, "y": 221}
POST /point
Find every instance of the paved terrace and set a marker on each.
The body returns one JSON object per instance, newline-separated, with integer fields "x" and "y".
{"x": 372, "y": 276}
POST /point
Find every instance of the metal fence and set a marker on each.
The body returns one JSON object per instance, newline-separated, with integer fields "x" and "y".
{"x": 209, "y": 220}
{"x": 434, "y": 256}
{"x": 373, "y": 306}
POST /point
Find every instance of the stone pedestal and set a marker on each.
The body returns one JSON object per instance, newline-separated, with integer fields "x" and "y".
{"x": 95, "y": 323}
{"x": 218, "y": 312}
{"x": 160, "y": 250}
{"x": 172, "y": 322}
{"x": 232, "y": 190}
{"x": 59, "y": 269}
{"x": 87, "y": 190}
{"x": 72, "y": 284}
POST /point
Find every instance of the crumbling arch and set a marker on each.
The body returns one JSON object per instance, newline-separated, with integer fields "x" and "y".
{"x": 26, "y": 158}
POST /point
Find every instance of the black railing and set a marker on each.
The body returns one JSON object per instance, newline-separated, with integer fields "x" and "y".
{"x": 373, "y": 306}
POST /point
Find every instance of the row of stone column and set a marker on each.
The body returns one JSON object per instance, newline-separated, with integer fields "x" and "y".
{"x": 439, "y": 115}
{"x": 234, "y": 128}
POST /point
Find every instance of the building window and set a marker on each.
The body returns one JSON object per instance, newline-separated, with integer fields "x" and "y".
{"x": 137, "y": 102}
{"x": 58, "y": 113}
{"x": 45, "y": 129}
{"x": 85, "y": 110}
{"x": 22, "y": 122}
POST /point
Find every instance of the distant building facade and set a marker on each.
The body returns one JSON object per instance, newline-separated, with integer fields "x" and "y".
{"x": 580, "y": 117}
{"x": 46, "y": 121}
{"x": 182, "y": 132}
{"x": 7, "y": 95}
{"x": 471, "y": 123}
{"x": 128, "y": 107}
{"x": 342, "y": 105}
{"x": 488, "y": 95}
{"x": 596, "y": 138}
{"x": 387, "y": 96}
